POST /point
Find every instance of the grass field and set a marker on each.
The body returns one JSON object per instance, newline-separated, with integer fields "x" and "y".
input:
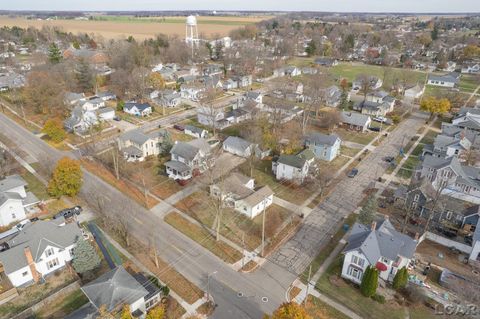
{"x": 139, "y": 28}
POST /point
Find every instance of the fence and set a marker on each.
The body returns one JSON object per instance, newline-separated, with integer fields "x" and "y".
{"x": 445, "y": 242}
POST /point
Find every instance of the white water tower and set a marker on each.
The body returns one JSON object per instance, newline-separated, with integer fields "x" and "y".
{"x": 191, "y": 30}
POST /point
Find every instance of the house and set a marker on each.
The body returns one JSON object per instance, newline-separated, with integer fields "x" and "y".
{"x": 379, "y": 245}
{"x": 373, "y": 108}
{"x": 448, "y": 80}
{"x": 293, "y": 167}
{"x": 106, "y": 96}
{"x": 287, "y": 71}
{"x": 39, "y": 249}
{"x": 445, "y": 146}
{"x": 106, "y": 114}
{"x": 414, "y": 92}
{"x": 471, "y": 68}
{"x": 375, "y": 83}
{"x": 118, "y": 287}
{"x": 138, "y": 109}
{"x": 137, "y": 145}
{"x": 188, "y": 159}
{"x": 450, "y": 66}
{"x": 11, "y": 80}
{"x": 72, "y": 98}
{"x": 230, "y": 84}
{"x": 168, "y": 98}
{"x": 324, "y": 61}
{"x": 325, "y": 147}
{"x": 195, "y": 131}
{"x": 211, "y": 81}
{"x": 92, "y": 103}
{"x": 238, "y": 146}
{"x": 80, "y": 121}
{"x": 238, "y": 191}
{"x": 192, "y": 92}
{"x": 333, "y": 96}
{"x": 355, "y": 121}
{"x": 15, "y": 201}
{"x": 468, "y": 119}
{"x": 91, "y": 56}
{"x": 243, "y": 80}
{"x": 254, "y": 96}
{"x": 309, "y": 71}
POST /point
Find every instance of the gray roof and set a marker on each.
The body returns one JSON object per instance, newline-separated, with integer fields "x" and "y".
{"x": 139, "y": 137}
{"x": 292, "y": 160}
{"x": 140, "y": 106}
{"x": 105, "y": 110}
{"x": 451, "y": 77}
{"x": 356, "y": 119}
{"x": 4, "y": 197}
{"x": 37, "y": 236}
{"x": 258, "y": 196}
{"x": 322, "y": 139}
{"x": 384, "y": 241}
{"x": 114, "y": 288}
{"x": 189, "y": 150}
{"x": 237, "y": 143}
{"x": 194, "y": 129}
{"x": 178, "y": 166}
{"x": 11, "y": 182}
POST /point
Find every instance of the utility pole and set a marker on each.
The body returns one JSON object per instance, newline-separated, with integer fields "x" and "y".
{"x": 308, "y": 284}
{"x": 263, "y": 227}
{"x": 208, "y": 284}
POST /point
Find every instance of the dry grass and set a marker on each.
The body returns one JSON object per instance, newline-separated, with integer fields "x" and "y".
{"x": 137, "y": 28}
{"x": 294, "y": 292}
{"x": 123, "y": 186}
{"x": 250, "y": 266}
{"x": 203, "y": 237}
{"x": 320, "y": 310}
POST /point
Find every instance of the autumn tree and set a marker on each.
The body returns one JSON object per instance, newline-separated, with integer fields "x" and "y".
{"x": 103, "y": 313}
{"x": 126, "y": 314}
{"x": 157, "y": 312}
{"x": 85, "y": 257}
{"x": 54, "y": 54}
{"x": 289, "y": 310}
{"x": 53, "y": 128}
{"x": 434, "y": 105}
{"x": 66, "y": 178}
{"x": 365, "y": 85}
{"x": 156, "y": 81}
{"x": 44, "y": 91}
{"x": 368, "y": 211}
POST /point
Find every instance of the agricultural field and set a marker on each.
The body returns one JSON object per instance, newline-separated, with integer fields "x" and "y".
{"x": 139, "y": 28}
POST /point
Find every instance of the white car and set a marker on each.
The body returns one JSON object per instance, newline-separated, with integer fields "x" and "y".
{"x": 380, "y": 119}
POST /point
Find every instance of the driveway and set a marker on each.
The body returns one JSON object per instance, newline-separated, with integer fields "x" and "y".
{"x": 123, "y": 125}
{"x": 322, "y": 222}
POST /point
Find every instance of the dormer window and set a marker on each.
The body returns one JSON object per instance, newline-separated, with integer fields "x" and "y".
{"x": 49, "y": 252}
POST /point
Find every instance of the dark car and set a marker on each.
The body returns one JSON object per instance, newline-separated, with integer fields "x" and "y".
{"x": 117, "y": 118}
{"x": 68, "y": 212}
{"x": 389, "y": 159}
{"x": 352, "y": 173}
{"x": 374, "y": 129}
{"x": 179, "y": 127}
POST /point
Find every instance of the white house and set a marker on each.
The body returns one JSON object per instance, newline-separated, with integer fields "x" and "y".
{"x": 15, "y": 201}
{"x": 325, "y": 147}
{"x": 414, "y": 92}
{"x": 137, "y": 145}
{"x": 293, "y": 167}
{"x": 379, "y": 246}
{"x": 238, "y": 146}
{"x": 138, "y": 109}
{"x": 118, "y": 287}
{"x": 471, "y": 68}
{"x": 80, "y": 120}
{"x": 192, "y": 91}
{"x": 72, "y": 98}
{"x": 238, "y": 191}
{"x": 188, "y": 159}
{"x": 41, "y": 248}
{"x": 106, "y": 114}
{"x": 448, "y": 80}
{"x": 92, "y": 103}
{"x": 195, "y": 131}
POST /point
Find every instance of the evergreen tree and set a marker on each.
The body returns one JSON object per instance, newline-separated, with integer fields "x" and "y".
{"x": 401, "y": 278}
{"x": 344, "y": 100}
{"x": 369, "y": 284}
{"x": 54, "y": 54}
{"x": 84, "y": 75}
{"x": 368, "y": 211}
{"x": 85, "y": 258}
{"x": 311, "y": 48}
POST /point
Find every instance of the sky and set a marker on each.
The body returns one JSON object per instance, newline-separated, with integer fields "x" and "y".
{"x": 420, "y": 6}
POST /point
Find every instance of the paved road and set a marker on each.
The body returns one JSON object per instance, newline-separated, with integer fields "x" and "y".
{"x": 317, "y": 228}
{"x": 187, "y": 256}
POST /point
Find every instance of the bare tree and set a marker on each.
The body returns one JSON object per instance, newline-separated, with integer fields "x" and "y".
{"x": 365, "y": 82}
{"x": 209, "y": 109}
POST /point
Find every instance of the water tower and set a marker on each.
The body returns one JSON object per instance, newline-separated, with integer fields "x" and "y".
{"x": 191, "y": 30}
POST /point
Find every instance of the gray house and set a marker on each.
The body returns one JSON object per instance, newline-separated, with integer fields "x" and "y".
{"x": 238, "y": 146}
{"x": 355, "y": 121}
{"x": 325, "y": 147}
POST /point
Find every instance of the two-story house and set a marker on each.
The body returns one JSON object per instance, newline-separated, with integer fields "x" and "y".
{"x": 293, "y": 168}
{"x": 138, "y": 109}
{"x": 80, "y": 121}
{"x": 325, "y": 147}
{"x": 379, "y": 245}
{"x": 238, "y": 191}
{"x": 15, "y": 201}
{"x": 39, "y": 249}
{"x": 446, "y": 146}
{"x": 137, "y": 145}
{"x": 188, "y": 159}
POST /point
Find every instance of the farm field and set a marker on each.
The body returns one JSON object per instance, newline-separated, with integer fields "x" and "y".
{"x": 139, "y": 28}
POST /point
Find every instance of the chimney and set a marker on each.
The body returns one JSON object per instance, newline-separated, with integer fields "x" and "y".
{"x": 417, "y": 235}
{"x": 31, "y": 264}
{"x": 374, "y": 226}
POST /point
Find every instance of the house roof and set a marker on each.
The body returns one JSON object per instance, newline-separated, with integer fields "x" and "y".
{"x": 185, "y": 150}
{"x": 322, "y": 139}
{"x": 139, "y": 137}
{"x": 237, "y": 143}
{"x": 11, "y": 182}
{"x": 104, "y": 110}
{"x": 384, "y": 241}
{"x": 292, "y": 160}
{"x": 355, "y": 119}
{"x": 37, "y": 236}
{"x": 256, "y": 197}
{"x": 178, "y": 166}
{"x": 114, "y": 288}
{"x": 140, "y": 106}
{"x": 450, "y": 77}
{"x": 6, "y": 196}
{"x": 194, "y": 129}
{"x": 235, "y": 185}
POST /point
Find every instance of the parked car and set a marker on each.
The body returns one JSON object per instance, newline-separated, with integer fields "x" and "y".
{"x": 117, "y": 118}
{"x": 389, "y": 159}
{"x": 374, "y": 129}
{"x": 69, "y": 212}
{"x": 22, "y": 224}
{"x": 179, "y": 127}
{"x": 353, "y": 173}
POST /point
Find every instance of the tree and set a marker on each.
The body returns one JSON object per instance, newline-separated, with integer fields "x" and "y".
{"x": 157, "y": 312}
{"x": 126, "y": 314}
{"x": 66, "y": 178}
{"x": 44, "y": 91}
{"x": 311, "y": 48}
{"x": 53, "y": 128}
{"x": 84, "y": 75}
{"x": 401, "y": 278}
{"x": 365, "y": 85}
{"x": 368, "y": 211}
{"x": 369, "y": 284}
{"x": 54, "y": 54}
{"x": 434, "y": 33}
{"x": 289, "y": 310}
{"x": 156, "y": 81}
{"x": 435, "y": 106}
{"x": 103, "y": 313}
{"x": 85, "y": 257}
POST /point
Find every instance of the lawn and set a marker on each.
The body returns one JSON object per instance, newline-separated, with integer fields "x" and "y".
{"x": 35, "y": 185}
{"x": 204, "y": 238}
{"x": 64, "y": 305}
{"x": 349, "y": 295}
{"x": 349, "y": 151}
{"x": 418, "y": 150}
{"x": 329, "y": 247}
{"x": 301, "y": 62}
{"x": 468, "y": 83}
{"x": 263, "y": 175}
{"x": 199, "y": 206}
{"x": 355, "y": 137}
{"x": 349, "y": 71}
{"x": 320, "y": 310}
{"x": 429, "y": 137}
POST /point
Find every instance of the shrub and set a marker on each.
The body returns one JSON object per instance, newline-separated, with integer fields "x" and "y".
{"x": 165, "y": 291}
{"x": 379, "y": 298}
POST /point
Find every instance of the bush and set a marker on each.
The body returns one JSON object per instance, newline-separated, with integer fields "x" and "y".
{"x": 379, "y": 298}
{"x": 414, "y": 295}
{"x": 165, "y": 291}
{"x": 396, "y": 119}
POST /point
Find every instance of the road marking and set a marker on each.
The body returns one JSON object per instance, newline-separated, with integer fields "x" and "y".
{"x": 138, "y": 220}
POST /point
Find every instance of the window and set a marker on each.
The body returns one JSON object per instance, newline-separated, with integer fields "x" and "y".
{"x": 24, "y": 274}
{"x": 416, "y": 197}
{"x": 14, "y": 216}
{"x": 357, "y": 261}
{"x": 52, "y": 263}
{"x": 49, "y": 252}
{"x": 354, "y": 272}
{"x": 449, "y": 215}
{"x": 71, "y": 252}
